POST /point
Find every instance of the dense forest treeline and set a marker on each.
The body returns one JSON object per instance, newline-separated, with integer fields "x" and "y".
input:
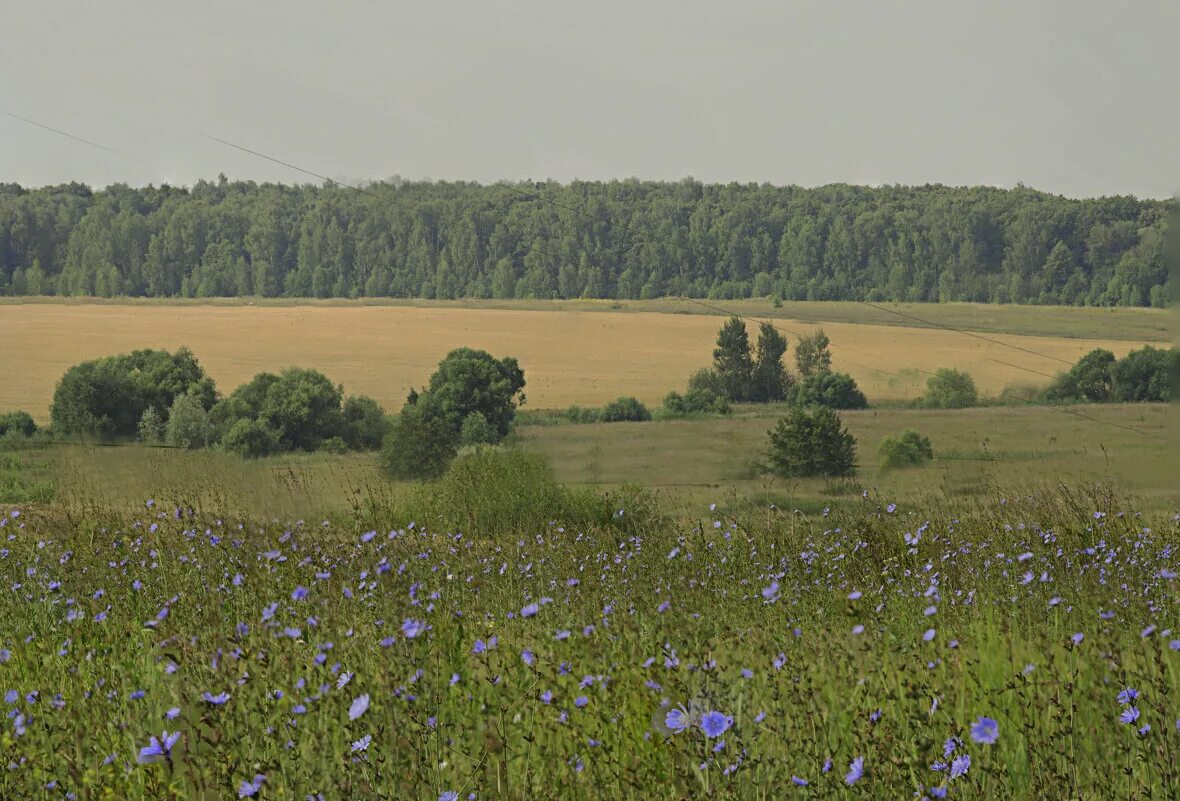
{"x": 619, "y": 239}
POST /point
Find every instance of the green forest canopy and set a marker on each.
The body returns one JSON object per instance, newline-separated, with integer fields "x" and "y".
{"x": 617, "y": 239}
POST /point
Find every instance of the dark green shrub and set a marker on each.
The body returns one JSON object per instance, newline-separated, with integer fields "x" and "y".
{"x": 624, "y": 410}
{"x": 707, "y": 380}
{"x": 303, "y": 407}
{"x": 1091, "y": 379}
{"x": 695, "y": 401}
{"x": 950, "y": 389}
{"x": 833, "y": 390}
{"x": 245, "y": 402}
{"x": 1142, "y": 376}
{"x": 17, "y": 423}
{"x": 499, "y": 491}
{"x": 420, "y": 443}
{"x": 470, "y": 380}
{"x": 250, "y": 439}
{"x": 910, "y": 449}
{"x": 107, "y": 397}
{"x": 811, "y": 442}
{"x": 365, "y": 423}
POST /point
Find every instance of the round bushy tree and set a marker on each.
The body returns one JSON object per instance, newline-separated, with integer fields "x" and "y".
{"x": 303, "y": 407}
{"x": 811, "y": 442}
{"x": 1090, "y": 379}
{"x": 1142, "y": 376}
{"x": 950, "y": 389}
{"x": 250, "y": 439}
{"x": 420, "y": 443}
{"x": 833, "y": 390}
{"x": 469, "y": 381}
{"x": 107, "y": 397}
{"x": 17, "y": 423}
{"x": 910, "y": 449}
{"x": 624, "y": 410}
{"x": 365, "y": 423}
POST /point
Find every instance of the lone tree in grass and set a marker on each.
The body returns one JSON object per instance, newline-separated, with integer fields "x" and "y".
{"x": 833, "y": 390}
{"x": 812, "y": 442}
{"x": 469, "y": 381}
{"x": 420, "y": 443}
{"x": 908, "y": 450}
{"x": 950, "y": 389}
{"x": 471, "y": 399}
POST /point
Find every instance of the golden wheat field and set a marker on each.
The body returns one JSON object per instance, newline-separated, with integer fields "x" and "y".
{"x": 569, "y": 355}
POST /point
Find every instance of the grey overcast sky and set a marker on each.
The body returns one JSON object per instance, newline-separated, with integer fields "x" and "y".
{"x": 1076, "y": 97}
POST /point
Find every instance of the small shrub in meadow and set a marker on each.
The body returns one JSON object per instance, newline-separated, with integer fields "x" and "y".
{"x": 908, "y": 450}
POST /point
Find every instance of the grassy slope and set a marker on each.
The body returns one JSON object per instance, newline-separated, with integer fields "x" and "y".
{"x": 693, "y": 461}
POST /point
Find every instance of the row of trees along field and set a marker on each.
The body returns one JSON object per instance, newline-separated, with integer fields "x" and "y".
{"x": 618, "y": 239}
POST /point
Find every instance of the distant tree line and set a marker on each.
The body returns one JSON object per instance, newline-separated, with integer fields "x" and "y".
{"x": 618, "y": 239}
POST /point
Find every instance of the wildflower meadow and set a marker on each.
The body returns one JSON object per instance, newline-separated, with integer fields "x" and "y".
{"x": 1024, "y": 648}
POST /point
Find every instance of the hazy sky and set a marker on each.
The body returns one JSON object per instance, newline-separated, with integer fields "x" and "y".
{"x": 1076, "y": 97}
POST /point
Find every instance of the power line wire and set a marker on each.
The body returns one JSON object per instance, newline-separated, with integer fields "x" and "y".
{"x": 64, "y": 133}
{"x": 966, "y": 333}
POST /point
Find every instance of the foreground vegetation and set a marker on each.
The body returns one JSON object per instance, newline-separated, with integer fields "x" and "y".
{"x": 1024, "y": 647}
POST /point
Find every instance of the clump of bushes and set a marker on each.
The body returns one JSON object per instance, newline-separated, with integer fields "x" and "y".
{"x": 624, "y": 410}
{"x": 621, "y": 410}
{"x": 833, "y": 390}
{"x": 108, "y": 397}
{"x": 695, "y": 401}
{"x": 297, "y": 410}
{"x": 160, "y": 397}
{"x": 740, "y": 374}
{"x": 908, "y": 450}
{"x": 17, "y": 424}
{"x": 950, "y": 389}
{"x": 1146, "y": 375}
{"x": 811, "y": 442}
